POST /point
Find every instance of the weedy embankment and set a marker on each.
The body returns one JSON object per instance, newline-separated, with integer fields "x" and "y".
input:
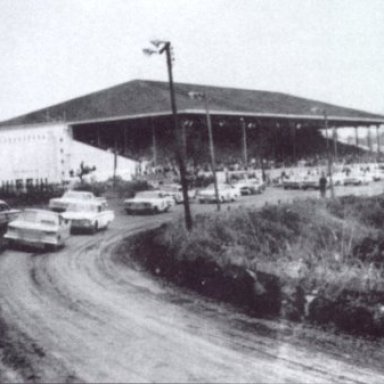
{"x": 311, "y": 260}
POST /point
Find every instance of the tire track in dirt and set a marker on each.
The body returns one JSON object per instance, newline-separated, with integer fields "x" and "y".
{"x": 96, "y": 320}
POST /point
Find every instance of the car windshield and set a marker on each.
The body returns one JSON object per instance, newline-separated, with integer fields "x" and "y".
{"x": 82, "y": 208}
{"x": 77, "y": 195}
{"x": 46, "y": 218}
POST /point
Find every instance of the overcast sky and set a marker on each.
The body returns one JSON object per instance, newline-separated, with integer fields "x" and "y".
{"x": 329, "y": 50}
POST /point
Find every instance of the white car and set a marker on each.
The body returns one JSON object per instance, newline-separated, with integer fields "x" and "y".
{"x": 40, "y": 228}
{"x": 294, "y": 182}
{"x": 60, "y": 204}
{"x": 155, "y": 201}
{"x": 338, "y": 178}
{"x": 356, "y": 178}
{"x": 176, "y": 191}
{"x": 173, "y": 190}
{"x": 90, "y": 216}
{"x": 249, "y": 186}
{"x": 6, "y": 215}
{"x": 227, "y": 193}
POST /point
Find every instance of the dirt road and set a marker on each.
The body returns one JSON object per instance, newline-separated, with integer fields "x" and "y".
{"x": 80, "y": 315}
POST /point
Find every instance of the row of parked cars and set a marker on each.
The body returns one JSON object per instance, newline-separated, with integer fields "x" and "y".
{"x": 340, "y": 178}
{"x": 82, "y": 211}
{"x": 165, "y": 197}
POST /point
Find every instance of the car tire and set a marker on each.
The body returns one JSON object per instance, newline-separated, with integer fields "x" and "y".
{"x": 10, "y": 244}
{"x": 95, "y": 228}
{"x": 156, "y": 210}
{"x": 51, "y": 247}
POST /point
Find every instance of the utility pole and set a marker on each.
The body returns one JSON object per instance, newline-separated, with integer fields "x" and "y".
{"x": 335, "y": 138}
{"x": 165, "y": 46}
{"x": 203, "y": 96}
{"x": 212, "y": 152}
{"x": 329, "y": 157}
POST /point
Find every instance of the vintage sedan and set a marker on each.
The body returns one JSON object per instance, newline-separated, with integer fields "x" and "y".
{"x": 356, "y": 178}
{"x": 250, "y": 186}
{"x": 227, "y": 193}
{"x": 40, "y": 228}
{"x": 310, "y": 181}
{"x": 89, "y": 216}
{"x": 155, "y": 201}
{"x": 176, "y": 191}
{"x": 293, "y": 182}
{"x": 60, "y": 204}
{"x": 6, "y": 215}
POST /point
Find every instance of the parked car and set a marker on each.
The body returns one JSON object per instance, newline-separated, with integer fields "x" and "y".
{"x": 293, "y": 182}
{"x": 155, "y": 201}
{"x": 227, "y": 193}
{"x": 176, "y": 191}
{"x": 89, "y": 216}
{"x": 338, "y": 178}
{"x": 250, "y": 186}
{"x": 356, "y": 178}
{"x": 60, "y": 204}
{"x": 40, "y": 228}
{"x": 6, "y": 215}
{"x": 311, "y": 181}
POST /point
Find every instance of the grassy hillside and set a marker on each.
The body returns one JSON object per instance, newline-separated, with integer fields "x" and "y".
{"x": 318, "y": 260}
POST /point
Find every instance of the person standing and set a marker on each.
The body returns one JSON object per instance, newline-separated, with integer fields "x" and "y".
{"x": 323, "y": 184}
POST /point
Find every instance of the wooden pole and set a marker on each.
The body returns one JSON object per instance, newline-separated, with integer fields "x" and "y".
{"x": 328, "y": 156}
{"x": 212, "y": 152}
{"x": 180, "y": 147}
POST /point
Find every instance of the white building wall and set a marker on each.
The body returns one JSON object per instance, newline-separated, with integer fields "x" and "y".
{"x": 36, "y": 152}
{"x": 47, "y": 153}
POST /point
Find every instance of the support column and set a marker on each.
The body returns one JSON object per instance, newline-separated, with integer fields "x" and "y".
{"x": 98, "y": 141}
{"x": 293, "y": 138}
{"x": 335, "y": 137}
{"x": 357, "y": 137}
{"x": 369, "y": 139}
{"x": 276, "y": 129}
{"x": 154, "y": 146}
{"x": 357, "y": 142}
{"x": 244, "y": 140}
{"x": 185, "y": 124}
{"x": 378, "y": 140}
{"x": 125, "y": 140}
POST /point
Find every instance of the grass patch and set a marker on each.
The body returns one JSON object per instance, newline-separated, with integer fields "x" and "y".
{"x": 321, "y": 260}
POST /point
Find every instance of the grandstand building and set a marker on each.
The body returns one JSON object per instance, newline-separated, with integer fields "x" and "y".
{"x": 131, "y": 124}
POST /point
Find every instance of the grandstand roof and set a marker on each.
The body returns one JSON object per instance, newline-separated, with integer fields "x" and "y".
{"x": 141, "y": 98}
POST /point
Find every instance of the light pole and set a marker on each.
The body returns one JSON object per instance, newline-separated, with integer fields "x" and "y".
{"x": 328, "y": 155}
{"x": 161, "y": 47}
{"x": 203, "y": 96}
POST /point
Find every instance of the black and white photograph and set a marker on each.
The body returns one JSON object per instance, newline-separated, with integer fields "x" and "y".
{"x": 192, "y": 191}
